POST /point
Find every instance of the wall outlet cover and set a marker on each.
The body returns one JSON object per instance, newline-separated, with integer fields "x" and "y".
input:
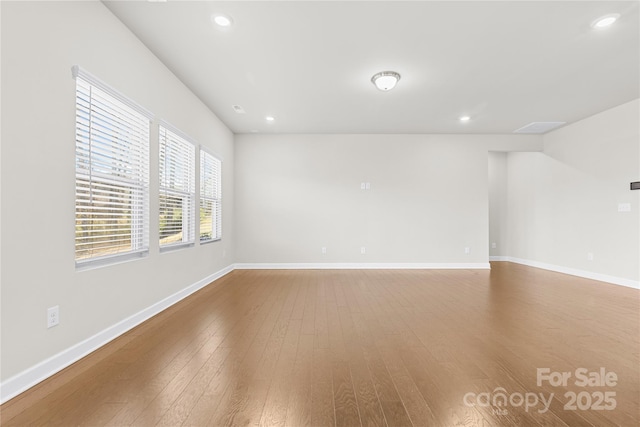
{"x": 53, "y": 316}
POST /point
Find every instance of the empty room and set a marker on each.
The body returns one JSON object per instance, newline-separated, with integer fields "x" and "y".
{"x": 320, "y": 213}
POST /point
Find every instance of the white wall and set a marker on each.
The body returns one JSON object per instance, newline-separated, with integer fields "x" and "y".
{"x": 429, "y": 195}
{"x": 40, "y": 43}
{"x": 428, "y": 198}
{"x": 498, "y": 205}
{"x": 563, "y": 203}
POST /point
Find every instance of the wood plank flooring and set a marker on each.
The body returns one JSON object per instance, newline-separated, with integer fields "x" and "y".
{"x": 361, "y": 347}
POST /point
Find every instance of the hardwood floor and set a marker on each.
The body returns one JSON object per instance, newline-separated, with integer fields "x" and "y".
{"x": 362, "y": 347}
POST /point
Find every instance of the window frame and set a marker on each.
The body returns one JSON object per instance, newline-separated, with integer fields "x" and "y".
{"x": 215, "y": 198}
{"x": 112, "y": 141}
{"x": 188, "y": 220}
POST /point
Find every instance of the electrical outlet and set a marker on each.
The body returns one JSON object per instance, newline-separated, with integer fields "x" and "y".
{"x": 467, "y": 250}
{"x": 590, "y": 256}
{"x": 324, "y": 250}
{"x": 363, "y": 186}
{"x": 53, "y": 316}
{"x": 363, "y": 250}
{"x": 494, "y": 245}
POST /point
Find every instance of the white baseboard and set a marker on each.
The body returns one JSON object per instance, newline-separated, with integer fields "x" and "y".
{"x": 48, "y": 367}
{"x": 580, "y": 273}
{"x": 360, "y": 266}
{"x": 43, "y": 370}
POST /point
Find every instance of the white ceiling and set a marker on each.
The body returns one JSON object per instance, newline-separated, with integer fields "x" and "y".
{"x": 309, "y": 64}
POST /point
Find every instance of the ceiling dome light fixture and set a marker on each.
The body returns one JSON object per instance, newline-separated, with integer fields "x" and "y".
{"x": 385, "y": 80}
{"x": 605, "y": 21}
{"x": 269, "y": 118}
{"x": 222, "y": 20}
{"x": 465, "y": 118}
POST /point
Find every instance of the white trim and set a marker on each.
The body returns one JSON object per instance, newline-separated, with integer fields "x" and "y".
{"x": 48, "y": 367}
{"x": 176, "y": 131}
{"x": 77, "y": 71}
{"x": 499, "y": 258}
{"x": 210, "y": 151}
{"x": 580, "y": 273}
{"x": 360, "y": 266}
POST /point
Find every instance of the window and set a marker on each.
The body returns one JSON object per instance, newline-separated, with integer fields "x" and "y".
{"x": 112, "y": 173}
{"x": 210, "y": 198}
{"x": 177, "y": 189}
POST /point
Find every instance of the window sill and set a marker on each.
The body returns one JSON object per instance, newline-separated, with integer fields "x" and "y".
{"x": 107, "y": 261}
{"x": 175, "y": 247}
{"x": 205, "y": 242}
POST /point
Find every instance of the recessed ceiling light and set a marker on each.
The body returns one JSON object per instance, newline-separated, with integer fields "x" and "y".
{"x": 385, "y": 80}
{"x": 605, "y": 21}
{"x": 269, "y": 118}
{"x": 465, "y": 118}
{"x": 222, "y": 20}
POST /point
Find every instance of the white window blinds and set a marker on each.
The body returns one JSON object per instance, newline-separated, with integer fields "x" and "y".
{"x": 177, "y": 189}
{"x": 112, "y": 172}
{"x": 210, "y": 197}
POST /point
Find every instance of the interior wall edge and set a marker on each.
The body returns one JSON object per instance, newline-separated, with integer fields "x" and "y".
{"x": 620, "y": 281}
